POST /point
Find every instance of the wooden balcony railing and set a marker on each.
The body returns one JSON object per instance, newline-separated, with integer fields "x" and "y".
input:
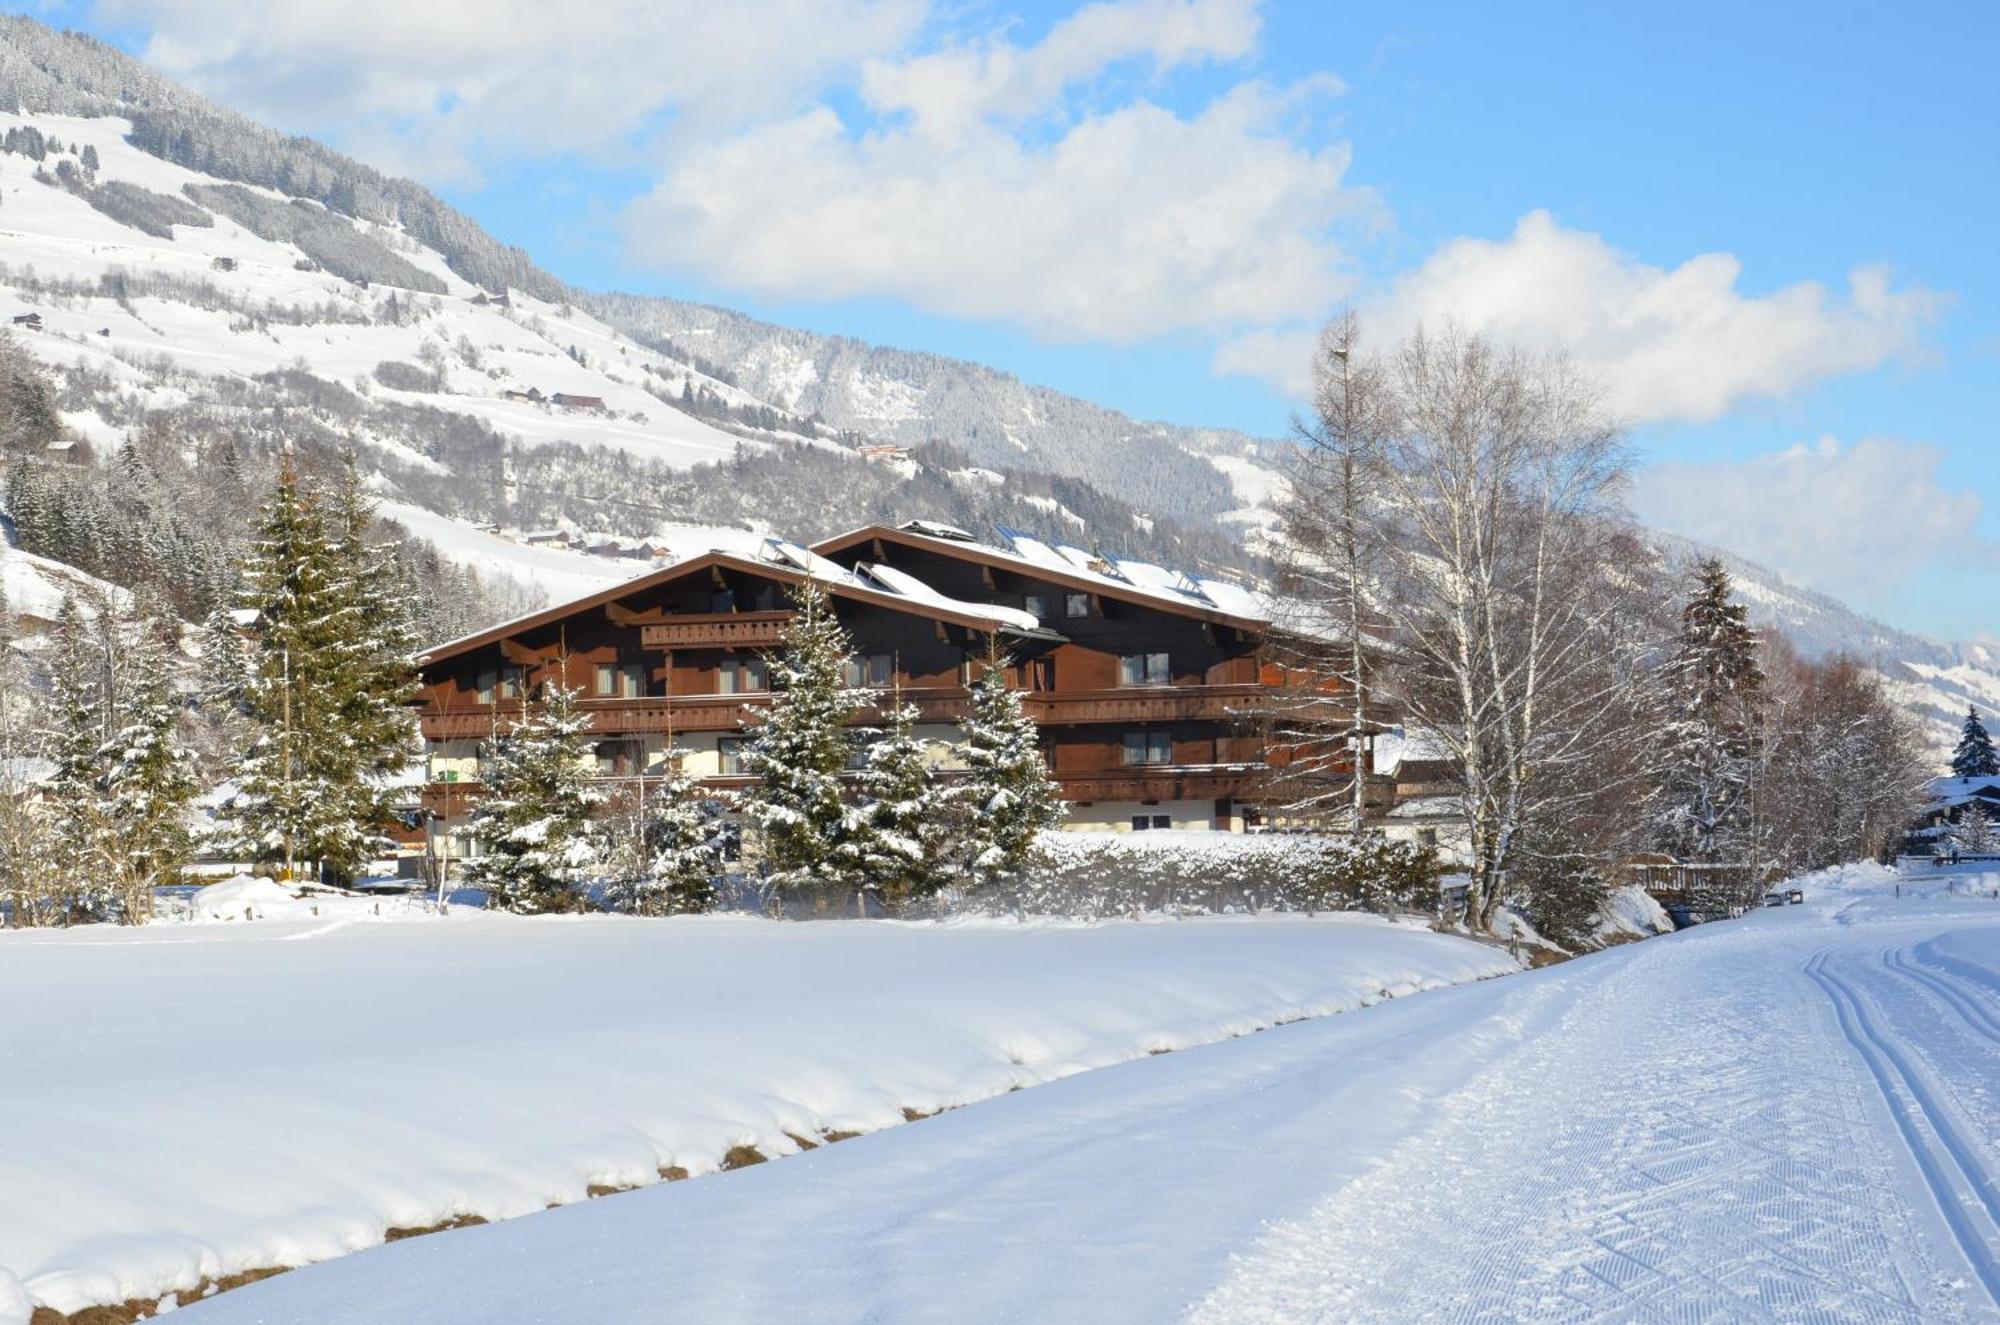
{"x": 1170, "y": 782}
{"x": 717, "y": 630}
{"x": 934, "y": 704}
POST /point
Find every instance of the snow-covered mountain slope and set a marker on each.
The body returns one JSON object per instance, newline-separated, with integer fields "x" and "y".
{"x": 36, "y": 586}
{"x": 215, "y": 299}
{"x": 911, "y": 397}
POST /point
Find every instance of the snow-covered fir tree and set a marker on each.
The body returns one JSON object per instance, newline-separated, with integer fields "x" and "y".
{"x": 905, "y": 820}
{"x": 148, "y": 779}
{"x": 1709, "y": 740}
{"x": 75, "y": 737}
{"x": 665, "y": 849}
{"x": 322, "y": 686}
{"x": 1007, "y": 795}
{"x": 805, "y": 836}
{"x": 534, "y": 821}
{"x": 1975, "y": 756}
{"x": 377, "y": 714}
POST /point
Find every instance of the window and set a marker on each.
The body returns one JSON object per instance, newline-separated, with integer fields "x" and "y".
{"x": 1149, "y": 748}
{"x": 487, "y": 682}
{"x": 868, "y": 670}
{"x": 742, "y": 676}
{"x": 1037, "y": 605}
{"x": 513, "y": 680}
{"x": 1427, "y": 837}
{"x": 1142, "y": 822}
{"x": 1143, "y": 669}
{"x": 619, "y": 758}
{"x": 1076, "y": 604}
{"x": 730, "y": 748}
{"x": 622, "y": 680}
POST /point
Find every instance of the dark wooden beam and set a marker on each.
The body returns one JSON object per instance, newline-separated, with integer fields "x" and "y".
{"x": 621, "y": 615}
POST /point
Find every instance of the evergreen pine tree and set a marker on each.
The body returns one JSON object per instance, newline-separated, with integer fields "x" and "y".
{"x": 74, "y": 738}
{"x": 1710, "y": 735}
{"x": 1975, "y": 756}
{"x": 379, "y": 682}
{"x": 1007, "y": 793}
{"x": 800, "y": 751}
{"x": 668, "y": 847}
{"x": 297, "y": 782}
{"x": 534, "y": 822}
{"x": 325, "y": 687}
{"x": 148, "y": 779}
{"x": 905, "y": 821}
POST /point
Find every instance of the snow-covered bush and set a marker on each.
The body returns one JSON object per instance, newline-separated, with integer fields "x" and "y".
{"x": 1102, "y": 874}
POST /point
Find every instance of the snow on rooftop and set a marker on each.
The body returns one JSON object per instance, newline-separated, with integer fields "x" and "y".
{"x": 909, "y": 586}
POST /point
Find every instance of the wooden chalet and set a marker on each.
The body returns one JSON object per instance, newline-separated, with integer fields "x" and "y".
{"x": 1147, "y": 686}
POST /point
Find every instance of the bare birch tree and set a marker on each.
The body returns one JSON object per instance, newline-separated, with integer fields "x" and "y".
{"x": 1500, "y": 487}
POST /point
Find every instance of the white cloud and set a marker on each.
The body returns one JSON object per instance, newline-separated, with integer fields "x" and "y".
{"x": 1680, "y": 343}
{"x": 438, "y": 87}
{"x": 1859, "y": 521}
{"x": 949, "y": 93}
{"x": 980, "y": 195}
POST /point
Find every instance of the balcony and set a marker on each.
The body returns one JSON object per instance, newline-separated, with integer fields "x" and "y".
{"x": 934, "y": 704}
{"x": 717, "y": 630}
{"x": 1162, "y": 782}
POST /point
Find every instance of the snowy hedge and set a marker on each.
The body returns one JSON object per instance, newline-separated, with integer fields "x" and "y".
{"x": 1102, "y": 874}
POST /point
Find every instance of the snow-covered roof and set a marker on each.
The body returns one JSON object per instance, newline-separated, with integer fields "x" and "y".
{"x": 755, "y": 552}
{"x": 1122, "y": 577}
{"x": 1948, "y": 793}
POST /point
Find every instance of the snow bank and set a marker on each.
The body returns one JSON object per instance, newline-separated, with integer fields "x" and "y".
{"x": 219, "y": 1097}
{"x": 244, "y": 897}
{"x": 1632, "y": 912}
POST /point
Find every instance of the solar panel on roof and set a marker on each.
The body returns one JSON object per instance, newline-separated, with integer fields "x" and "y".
{"x": 1185, "y": 583}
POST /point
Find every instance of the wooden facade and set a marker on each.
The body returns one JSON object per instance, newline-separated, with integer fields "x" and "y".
{"x": 1148, "y": 705}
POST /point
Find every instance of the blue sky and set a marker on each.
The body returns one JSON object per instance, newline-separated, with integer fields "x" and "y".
{"x": 1768, "y": 227}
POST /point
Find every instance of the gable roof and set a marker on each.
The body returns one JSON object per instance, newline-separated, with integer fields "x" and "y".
{"x": 786, "y": 563}
{"x": 1219, "y": 601}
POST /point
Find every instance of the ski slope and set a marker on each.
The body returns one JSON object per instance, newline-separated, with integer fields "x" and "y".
{"x": 1786, "y": 1118}
{"x": 181, "y": 1102}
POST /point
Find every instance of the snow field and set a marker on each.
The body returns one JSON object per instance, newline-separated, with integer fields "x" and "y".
{"x": 1784, "y": 1118}
{"x": 182, "y": 1102}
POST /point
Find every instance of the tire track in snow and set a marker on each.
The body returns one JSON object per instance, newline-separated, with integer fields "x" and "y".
{"x": 1959, "y": 1181}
